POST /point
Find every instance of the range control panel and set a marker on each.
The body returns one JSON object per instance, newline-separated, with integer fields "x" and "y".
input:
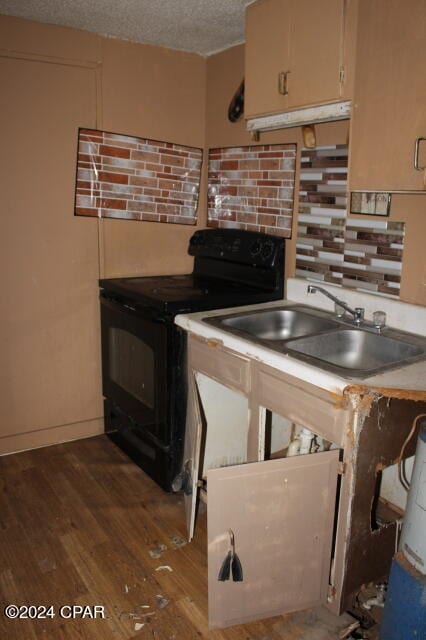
{"x": 236, "y": 245}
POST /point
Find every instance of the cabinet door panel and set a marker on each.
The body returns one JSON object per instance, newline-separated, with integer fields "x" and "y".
{"x": 390, "y": 95}
{"x": 315, "y": 51}
{"x": 191, "y": 454}
{"x": 267, "y": 55}
{"x": 281, "y": 513}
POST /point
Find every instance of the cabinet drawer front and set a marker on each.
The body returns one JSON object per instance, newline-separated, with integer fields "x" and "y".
{"x": 221, "y": 365}
{"x": 317, "y": 413}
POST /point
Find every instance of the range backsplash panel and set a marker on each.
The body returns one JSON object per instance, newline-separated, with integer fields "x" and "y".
{"x": 134, "y": 178}
{"x": 364, "y": 254}
{"x": 252, "y": 188}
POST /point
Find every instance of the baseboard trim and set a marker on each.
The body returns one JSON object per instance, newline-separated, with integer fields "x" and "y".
{"x": 55, "y": 435}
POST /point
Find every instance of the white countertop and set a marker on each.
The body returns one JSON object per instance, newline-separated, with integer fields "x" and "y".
{"x": 411, "y": 377}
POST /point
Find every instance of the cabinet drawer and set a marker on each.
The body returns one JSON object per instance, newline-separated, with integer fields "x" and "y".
{"x": 316, "y": 411}
{"x": 210, "y": 358}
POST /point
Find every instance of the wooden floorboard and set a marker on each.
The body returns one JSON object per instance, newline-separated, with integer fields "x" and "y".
{"x": 77, "y": 522}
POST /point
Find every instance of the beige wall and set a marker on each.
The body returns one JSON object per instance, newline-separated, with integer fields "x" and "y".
{"x": 49, "y": 318}
{"x": 54, "y": 80}
{"x": 154, "y": 92}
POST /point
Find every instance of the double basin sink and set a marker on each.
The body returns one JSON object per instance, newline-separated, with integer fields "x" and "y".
{"x": 318, "y": 338}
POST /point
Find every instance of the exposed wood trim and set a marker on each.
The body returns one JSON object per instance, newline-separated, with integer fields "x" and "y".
{"x": 298, "y": 117}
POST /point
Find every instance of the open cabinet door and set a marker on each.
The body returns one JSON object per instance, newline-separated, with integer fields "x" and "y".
{"x": 191, "y": 454}
{"x": 281, "y": 513}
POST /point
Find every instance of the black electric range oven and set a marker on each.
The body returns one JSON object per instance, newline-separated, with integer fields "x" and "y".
{"x": 144, "y": 352}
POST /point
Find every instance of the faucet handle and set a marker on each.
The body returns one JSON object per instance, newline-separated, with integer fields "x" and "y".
{"x": 379, "y": 320}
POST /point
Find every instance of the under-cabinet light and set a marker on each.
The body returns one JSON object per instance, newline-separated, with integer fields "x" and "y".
{"x": 308, "y": 115}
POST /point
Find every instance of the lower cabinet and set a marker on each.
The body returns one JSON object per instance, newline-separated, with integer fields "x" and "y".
{"x": 271, "y": 518}
{"x": 280, "y": 515}
{"x": 291, "y": 476}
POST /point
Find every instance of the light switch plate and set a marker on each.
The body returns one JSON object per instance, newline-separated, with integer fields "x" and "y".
{"x": 372, "y": 204}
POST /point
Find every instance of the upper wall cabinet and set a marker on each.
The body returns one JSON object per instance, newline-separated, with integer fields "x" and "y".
{"x": 389, "y": 112}
{"x": 295, "y": 54}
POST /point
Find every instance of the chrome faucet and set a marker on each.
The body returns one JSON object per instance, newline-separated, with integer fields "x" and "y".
{"x": 357, "y": 313}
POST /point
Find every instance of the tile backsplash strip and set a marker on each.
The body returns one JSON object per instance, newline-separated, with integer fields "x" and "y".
{"x": 133, "y": 178}
{"x": 373, "y": 255}
{"x": 322, "y": 213}
{"x": 364, "y": 254}
{"x": 252, "y": 188}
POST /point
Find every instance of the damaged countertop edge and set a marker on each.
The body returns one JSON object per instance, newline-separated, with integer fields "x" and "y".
{"x": 407, "y": 382}
{"x": 371, "y": 393}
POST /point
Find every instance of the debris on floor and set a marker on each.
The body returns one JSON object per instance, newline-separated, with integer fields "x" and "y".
{"x": 346, "y": 633}
{"x": 368, "y": 609}
{"x": 378, "y": 600}
{"x": 177, "y": 541}
{"x": 161, "y": 601}
{"x": 164, "y": 567}
{"x": 157, "y": 552}
{"x": 148, "y": 615}
{"x": 131, "y": 615}
{"x": 139, "y": 626}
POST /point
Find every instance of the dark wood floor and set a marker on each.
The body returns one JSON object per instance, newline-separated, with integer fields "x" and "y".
{"x": 77, "y": 524}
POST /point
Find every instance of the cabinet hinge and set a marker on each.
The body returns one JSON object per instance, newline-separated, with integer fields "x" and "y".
{"x": 342, "y": 74}
{"x": 341, "y": 468}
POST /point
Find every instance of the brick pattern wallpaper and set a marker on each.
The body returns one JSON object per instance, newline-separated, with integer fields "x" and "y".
{"x": 136, "y": 179}
{"x": 366, "y": 253}
{"x": 252, "y": 188}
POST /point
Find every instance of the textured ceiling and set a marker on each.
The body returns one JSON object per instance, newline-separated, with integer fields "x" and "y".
{"x": 202, "y": 26}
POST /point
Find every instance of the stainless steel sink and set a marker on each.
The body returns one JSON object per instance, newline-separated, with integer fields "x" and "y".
{"x": 357, "y": 350}
{"x": 275, "y": 324}
{"x": 318, "y": 338}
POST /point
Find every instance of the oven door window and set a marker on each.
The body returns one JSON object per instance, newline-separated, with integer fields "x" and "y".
{"x": 132, "y": 365}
